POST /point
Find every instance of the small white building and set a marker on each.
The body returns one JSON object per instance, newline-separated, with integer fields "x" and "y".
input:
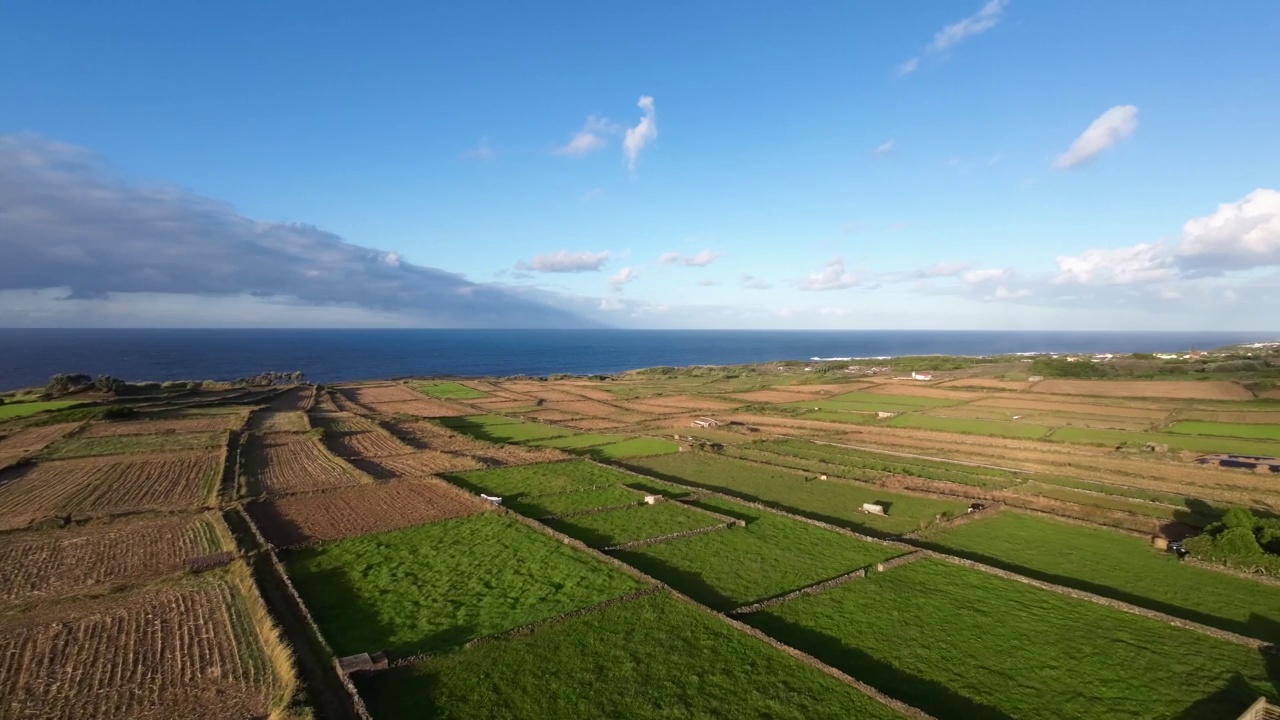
{"x": 705, "y": 422}
{"x": 491, "y": 498}
{"x": 921, "y": 376}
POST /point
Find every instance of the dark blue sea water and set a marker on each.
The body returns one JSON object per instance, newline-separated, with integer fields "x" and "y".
{"x": 29, "y": 357}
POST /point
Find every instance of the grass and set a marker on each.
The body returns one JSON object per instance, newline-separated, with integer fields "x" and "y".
{"x": 771, "y": 556}
{"x": 470, "y": 421}
{"x": 544, "y": 505}
{"x": 959, "y": 643}
{"x": 1193, "y": 443}
{"x": 905, "y": 400}
{"x": 855, "y": 464}
{"x": 851, "y": 407}
{"x": 524, "y": 481}
{"x": 499, "y": 429}
{"x": 836, "y": 502}
{"x": 438, "y": 585}
{"x": 449, "y": 391}
{"x": 1235, "y": 430}
{"x": 635, "y": 447}
{"x": 853, "y": 418}
{"x": 1102, "y": 500}
{"x": 74, "y": 447}
{"x": 573, "y": 442}
{"x": 970, "y": 426}
{"x": 655, "y": 658}
{"x": 641, "y": 522}
{"x": 13, "y": 409}
{"x": 1119, "y": 566}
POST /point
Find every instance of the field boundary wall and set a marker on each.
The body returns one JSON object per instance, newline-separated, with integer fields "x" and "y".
{"x": 671, "y": 536}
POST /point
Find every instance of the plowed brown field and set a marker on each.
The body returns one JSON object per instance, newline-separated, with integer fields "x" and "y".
{"x": 587, "y": 391}
{"x": 343, "y": 422}
{"x": 203, "y": 423}
{"x": 186, "y": 651}
{"x": 285, "y": 463}
{"x": 424, "y": 408}
{"x": 772, "y": 396}
{"x": 324, "y": 403}
{"x": 503, "y": 404}
{"x": 31, "y": 441}
{"x": 1176, "y": 389}
{"x": 548, "y": 393}
{"x": 416, "y": 464}
{"x": 653, "y": 409}
{"x": 107, "y": 485}
{"x": 987, "y": 383}
{"x": 56, "y": 563}
{"x": 337, "y": 514}
{"x": 279, "y": 421}
{"x": 297, "y": 399}
{"x": 363, "y": 444}
{"x": 375, "y": 394}
{"x": 428, "y": 436}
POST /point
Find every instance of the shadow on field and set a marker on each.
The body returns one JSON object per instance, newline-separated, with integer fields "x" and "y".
{"x": 930, "y": 696}
{"x": 1256, "y": 626}
{"x": 274, "y": 526}
{"x": 686, "y": 581}
{"x": 592, "y": 538}
{"x": 1234, "y": 698}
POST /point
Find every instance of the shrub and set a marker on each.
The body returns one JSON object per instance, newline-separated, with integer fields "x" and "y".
{"x": 1241, "y": 540}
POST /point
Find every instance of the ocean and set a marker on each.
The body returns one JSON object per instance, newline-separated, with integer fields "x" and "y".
{"x": 29, "y": 356}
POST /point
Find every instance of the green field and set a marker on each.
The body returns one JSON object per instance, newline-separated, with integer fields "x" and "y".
{"x": 22, "y": 409}
{"x": 635, "y": 447}
{"x": 905, "y": 400}
{"x": 435, "y": 586}
{"x": 771, "y": 556}
{"x": 838, "y": 502}
{"x": 1234, "y": 430}
{"x": 499, "y": 429}
{"x": 573, "y": 442}
{"x": 124, "y": 444}
{"x": 473, "y": 421}
{"x": 641, "y": 522}
{"x": 533, "y": 480}
{"x": 450, "y": 391}
{"x": 1193, "y": 443}
{"x": 654, "y": 658}
{"x": 836, "y": 408}
{"x": 1102, "y": 500}
{"x": 852, "y": 418}
{"x": 537, "y": 506}
{"x": 1118, "y": 566}
{"x": 970, "y": 426}
{"x": 958, "y": 643}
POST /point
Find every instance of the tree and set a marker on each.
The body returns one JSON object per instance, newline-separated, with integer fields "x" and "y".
{"x": 108, "y": 385}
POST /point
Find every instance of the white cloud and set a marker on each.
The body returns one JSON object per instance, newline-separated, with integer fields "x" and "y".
{"x": 624, "y": 276}
{"x": 1110, "y": 128}
{"x": 749, "y": 282}
{"x": 832, "y": 276}
{"x": 701, "y": 259}
{"x": 592, "y": 137}
{"x": 565, "y": 262}
{"x": 707, "y": 283}
{"x": 1118, "y": 266}
{"x": 885, "y": 148}
{"x": 1004, "y": 293}
{"x": 941, "y": 269}
{"x": 974, "y": 277}
{"x": 1244, "y": 233}
{"x": 482, "y": 151}
{"x": 987, "y": 17}
{"x": 645, "y": 132}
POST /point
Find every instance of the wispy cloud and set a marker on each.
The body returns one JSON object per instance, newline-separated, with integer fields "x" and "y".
{"x": 565, "y": 261}
{"x": 832, "y": 276}
{"x": 750, "y": 282}
{"x": 645, "y": 132}
{"x": 1108, "y": 129}
{"x": 885, "y": 148}
{"x": 707, "y": 283}
{"x": 700, "y": 259}
{"x": 593, "y": 136}
{"x": 623, "y": 276}
{"x": 948, "y": 37}
{"x": 483, "y": 151}
{"x": 593, "y": 194}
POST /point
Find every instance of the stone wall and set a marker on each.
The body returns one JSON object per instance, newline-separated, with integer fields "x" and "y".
{"x": 807, "y": 590}
{"x": 671, "y": 536}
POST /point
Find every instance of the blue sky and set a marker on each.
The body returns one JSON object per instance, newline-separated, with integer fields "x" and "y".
{"x": 950, "y": 164}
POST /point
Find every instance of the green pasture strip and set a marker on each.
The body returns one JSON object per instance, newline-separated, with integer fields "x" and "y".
{"x": 959, "y": 643}
{"x": 1234, "y": 430}
{"x": 1193, "y": 443}
{"x": 449, "y": 391}
{"x": 634, "y": 447}
{"x": 852, "y": 418}
{"x": 970, "y": 426}
{"x": 544, "y": 505}
{"x": 771, "y": 556}
{"x": 1111, "y": 502}
{"x": 1119, "y": 566}
{"x": 573, "y": 442}
{"x": 641, "y": 522}
{"x": 468, "y": 421}
{"x": 499, "y": 429}
{"x": 74, "y": 447}
{"x": 654, "y": 658}
{"x": 851, "y": 406}
{"x": 906, "y": 400}
{"x": 438, "y": 585}
{"x": 12, "y": 409}
{"x": 1120, "y": 491}
{"x": 523, "y": 481}
{"x": 836, "y": 502}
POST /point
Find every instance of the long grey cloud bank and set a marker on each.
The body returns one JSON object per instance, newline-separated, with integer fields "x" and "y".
{"x": 66, "y": 222}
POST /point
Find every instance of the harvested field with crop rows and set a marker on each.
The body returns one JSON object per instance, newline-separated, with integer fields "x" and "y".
{"x": 347, "y": 512}
{"x": 30, "y": 441}
{"x": 160, "y": 426}
{"x": 103, "y": 486}
{"x": 371, "y": 443}
{"x": 1204, "y": 390}
{"x": 417, "y": 463}
{"x": 55, "y": 563}
{"x": 284, "y": 463}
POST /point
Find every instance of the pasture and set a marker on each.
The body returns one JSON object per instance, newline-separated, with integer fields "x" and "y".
{"x": 542, "y": 479}
{"x": 634, "y": 447}
{"x": 449, "y": 391}
{"x": 772, "y": 555}
{"x": 435, "y": 586}
{"x": 1193, "y": 443}
{"x": 837, "y": 502}
{"x": 971, "y": 426}
{"x": 11, "y": 410}
{"x": 1119, "y": 566}
{"x": 614, "y": 527}
{"x": 75, "y": 447}
{"x": 653, "y": 658}
{"x": 1233, "y": 430}
{"x": 485, "y": 427}
{"x": 959, "y": 643}
{"x": 537, "y": 506}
